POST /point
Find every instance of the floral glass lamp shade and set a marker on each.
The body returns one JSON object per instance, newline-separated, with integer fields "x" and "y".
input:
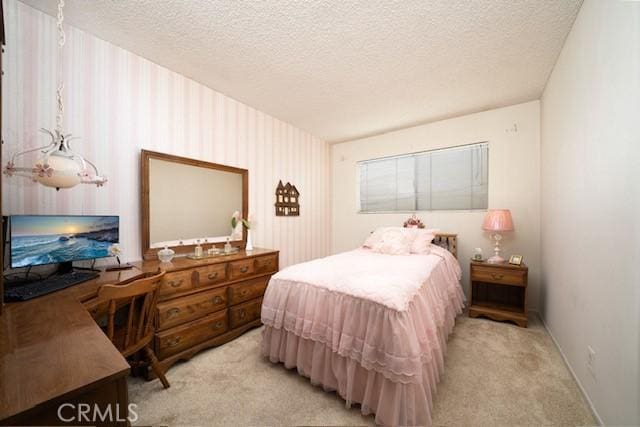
{"x": 56, "y": 165}
{"x": 496, "y": 221}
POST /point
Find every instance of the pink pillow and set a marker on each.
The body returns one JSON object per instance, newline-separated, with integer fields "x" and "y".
{"x": 422, "y": 240}
{"x": 395, "y": 242}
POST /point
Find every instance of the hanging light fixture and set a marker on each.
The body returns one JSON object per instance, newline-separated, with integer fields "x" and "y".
{"x": 57, "y": 165}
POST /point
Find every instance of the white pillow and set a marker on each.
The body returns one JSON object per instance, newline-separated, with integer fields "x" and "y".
{"x": 374, "y": 238}
{"x": 422, "y": 240}
{"x": 392, "y": 241}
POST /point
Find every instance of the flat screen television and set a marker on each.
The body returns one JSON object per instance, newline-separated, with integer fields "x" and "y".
{"x": 60, "y": 239}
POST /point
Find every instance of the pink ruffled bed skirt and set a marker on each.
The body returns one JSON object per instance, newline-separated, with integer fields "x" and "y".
{"x": 392, "y": 403}
{"x": 386, "y": 360}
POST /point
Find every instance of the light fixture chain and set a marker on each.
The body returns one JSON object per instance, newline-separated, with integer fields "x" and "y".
{"x": 61, "y": 42}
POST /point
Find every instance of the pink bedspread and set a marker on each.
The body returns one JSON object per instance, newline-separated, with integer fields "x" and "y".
{"x": 373, "y": 327}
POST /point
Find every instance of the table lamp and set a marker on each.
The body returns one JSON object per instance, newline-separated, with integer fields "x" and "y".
{"x": 496, "y": 221}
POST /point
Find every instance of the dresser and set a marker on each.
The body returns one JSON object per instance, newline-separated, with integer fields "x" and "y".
{"x": 206, "y": 303}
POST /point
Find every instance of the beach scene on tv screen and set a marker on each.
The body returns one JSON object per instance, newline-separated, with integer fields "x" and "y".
{"x": 37, "y": 240}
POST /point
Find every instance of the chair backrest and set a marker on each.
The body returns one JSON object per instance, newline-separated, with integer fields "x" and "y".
{"x": 140, "y": 296}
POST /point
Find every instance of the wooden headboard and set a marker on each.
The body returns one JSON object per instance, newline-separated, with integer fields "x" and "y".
{"x": 448, "y": 241}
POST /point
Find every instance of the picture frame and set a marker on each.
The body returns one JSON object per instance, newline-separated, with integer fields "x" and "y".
{"x": 515, "y": 259}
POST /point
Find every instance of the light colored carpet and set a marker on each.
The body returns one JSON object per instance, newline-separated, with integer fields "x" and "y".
{"x": 495, "y": 374}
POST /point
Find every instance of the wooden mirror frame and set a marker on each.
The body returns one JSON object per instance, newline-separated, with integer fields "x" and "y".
{"x": 148, "y": 252}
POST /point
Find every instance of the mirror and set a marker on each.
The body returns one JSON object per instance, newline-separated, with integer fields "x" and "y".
{"x": 186, "y": 200}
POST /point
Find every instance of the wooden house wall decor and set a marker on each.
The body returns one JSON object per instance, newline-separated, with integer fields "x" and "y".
{"x": 287, "y": 200}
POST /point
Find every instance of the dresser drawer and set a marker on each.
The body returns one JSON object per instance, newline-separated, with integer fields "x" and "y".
{"x": 179, "y": 281}
{"x": 242, "y": 268}
{"x": 212, "y": 274}
{"x": 266, "y": 264}
{"x": 185, "y": 309}
{"x": 245, "y": 313}
{"x": 495, "y": 275}
{"x": 185, "y": 336}
{"x": 241, "y": 292}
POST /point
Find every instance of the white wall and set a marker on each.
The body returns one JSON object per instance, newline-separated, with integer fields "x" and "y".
{"x": 514, "y": 183}
{"x": 119, "y": 103}
{"x": 590, "y": 205}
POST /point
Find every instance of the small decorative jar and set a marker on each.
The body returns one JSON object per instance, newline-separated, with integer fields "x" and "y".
{"x": 166, "y": 254}
{"x": 227, "y": 247}
{"x": 477, "y": 256}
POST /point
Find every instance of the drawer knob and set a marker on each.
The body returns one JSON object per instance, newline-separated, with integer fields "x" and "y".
{"x": 173, "y": 313}
{"x": 497, "y": 276}
{"x": 244, "y": 269}
{"x": 212, "y": 276}
{"x": 177, "y": 284}
{"x": 217, "y": 299}
{"x": 174, "y": 341}
{"x": 218, "y": 325}
{"x": 242, "y": 314}
{"x": 243, "y": 292}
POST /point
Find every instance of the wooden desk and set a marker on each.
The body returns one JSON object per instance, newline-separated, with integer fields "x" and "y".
{"x": 52, "y": 352}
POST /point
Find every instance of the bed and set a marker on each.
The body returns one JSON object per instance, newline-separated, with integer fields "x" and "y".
{"x": 370, "y": 326}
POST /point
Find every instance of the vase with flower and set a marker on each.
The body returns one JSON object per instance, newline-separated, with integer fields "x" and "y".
{"x": 238, "y": 222}
{"x": 115, "y": 251}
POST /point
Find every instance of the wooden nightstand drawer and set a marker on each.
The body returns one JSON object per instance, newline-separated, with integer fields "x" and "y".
{"x": 498, "y": 275}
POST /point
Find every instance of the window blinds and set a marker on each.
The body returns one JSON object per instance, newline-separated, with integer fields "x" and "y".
{"x": 447, "y": 179}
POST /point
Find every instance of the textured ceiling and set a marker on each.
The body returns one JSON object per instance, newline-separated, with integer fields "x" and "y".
{"x": 344, "y": 69}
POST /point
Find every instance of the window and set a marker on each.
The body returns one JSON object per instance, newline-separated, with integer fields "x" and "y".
{"x": 447, "y": 179}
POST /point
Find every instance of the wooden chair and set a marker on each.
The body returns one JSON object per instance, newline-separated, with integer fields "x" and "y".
{"x": 140, "y": 296}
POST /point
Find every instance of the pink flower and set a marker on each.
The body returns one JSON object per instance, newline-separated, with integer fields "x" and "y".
{"x": 42, "y": 170}
{"x": 10, "y": 169}
{"x": 413, "y": 222}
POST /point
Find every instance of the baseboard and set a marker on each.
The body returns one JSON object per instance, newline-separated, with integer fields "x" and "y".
{"x": 573, "y": 374}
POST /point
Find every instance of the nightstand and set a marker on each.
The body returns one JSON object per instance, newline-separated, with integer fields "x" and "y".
{"x": 499, "y": 292}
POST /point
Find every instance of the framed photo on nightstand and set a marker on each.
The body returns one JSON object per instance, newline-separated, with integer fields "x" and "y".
{"x": 515, "y": 259}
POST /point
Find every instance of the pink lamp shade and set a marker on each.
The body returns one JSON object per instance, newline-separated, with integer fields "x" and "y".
{"x": 498, "y": 220}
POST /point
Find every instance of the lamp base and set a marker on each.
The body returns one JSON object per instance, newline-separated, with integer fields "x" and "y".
{"x": 496, "y": 259}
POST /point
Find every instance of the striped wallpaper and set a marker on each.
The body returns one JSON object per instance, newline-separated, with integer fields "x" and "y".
{"x": 119, "y": 103}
